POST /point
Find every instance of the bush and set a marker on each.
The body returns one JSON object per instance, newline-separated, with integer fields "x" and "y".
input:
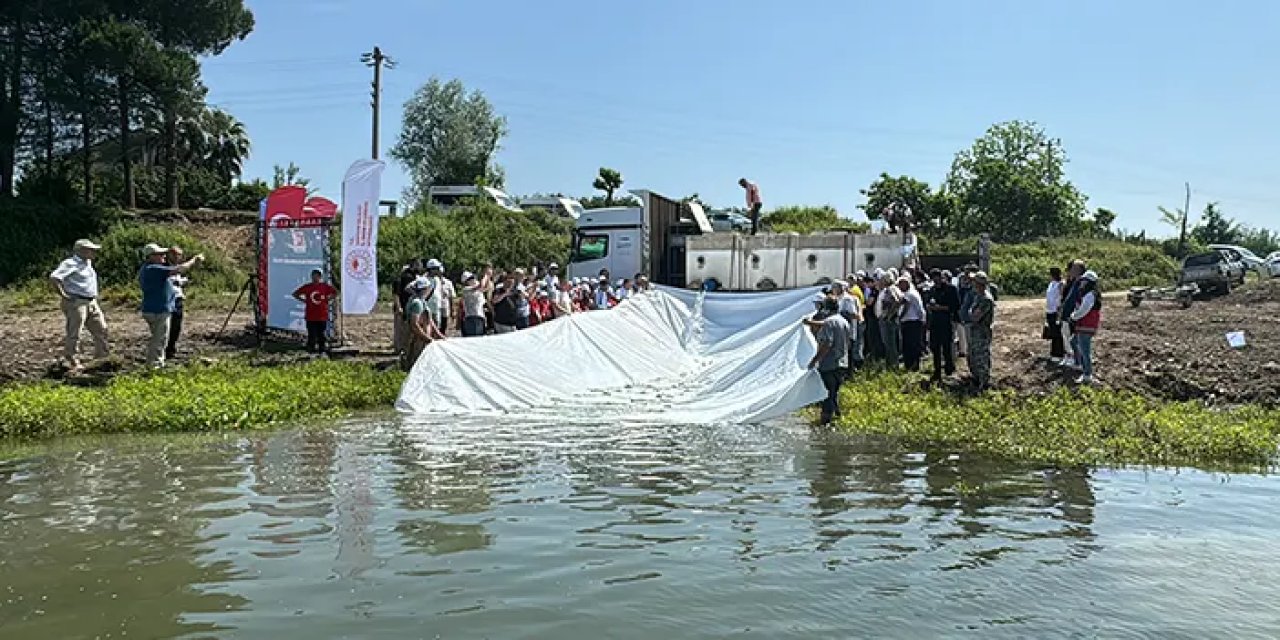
{"x": 810, "y": 219}
{"x": 38, "y": 234}
{"x": 121, "y": 257}
{"x": 1023, "y": 269}
{"x": 198, "y": 398}
{"x": 469, "y": 237}
{"x": 1066, "y": 427}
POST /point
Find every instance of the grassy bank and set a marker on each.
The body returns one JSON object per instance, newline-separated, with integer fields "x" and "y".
{"x": 222, "y": 396}
{"x": 1068, "y": 427}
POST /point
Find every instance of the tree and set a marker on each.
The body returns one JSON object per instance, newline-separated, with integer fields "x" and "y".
{"x": 608, "y": 181}
{"x": 1102, "y": 220}
{"x": 809, "y": 220}
{"x": 1258, "y": 240}
{"x": 289, "y": 175}
{"x": 221, "y": 143}
{"x": 1215, "y": 228}
{"x": 598, "y": 202}
{"x": 1179, "y": 220}
{"x": 448, "y": 136}
{"x": 901, "y": 201}
{"x": 1011, "y": 184}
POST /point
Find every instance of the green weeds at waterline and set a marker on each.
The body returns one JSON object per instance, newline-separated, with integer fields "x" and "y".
{"x": 214, "y": 397}
{"x": 1066, "y": 427}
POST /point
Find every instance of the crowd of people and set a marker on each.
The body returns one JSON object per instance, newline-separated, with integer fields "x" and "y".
{"x": 893, "y": 319}
{"x": 488, "y": 301}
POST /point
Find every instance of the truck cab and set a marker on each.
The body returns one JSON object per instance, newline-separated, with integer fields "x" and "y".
{"x": 607, "y": 239}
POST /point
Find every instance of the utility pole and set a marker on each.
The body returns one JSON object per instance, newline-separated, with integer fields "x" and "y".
{"x": 1186, "y": 214}
{"x": 377, "y": 60}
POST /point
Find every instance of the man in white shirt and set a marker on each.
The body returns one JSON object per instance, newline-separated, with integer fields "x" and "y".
{"x": 76, "y": 283}
{"x": 562, "y": 303}
{"x": 551, "y": 283}
{"x": 1052, "y": 318}
{"x": 849, "y": 307}
{"x": 912, "y": 323}
{"x": 436, "y": 302}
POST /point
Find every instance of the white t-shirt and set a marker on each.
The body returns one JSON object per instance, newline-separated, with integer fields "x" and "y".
{"x": 447, "y": 295}
{"x": 473, "y": 301}
{"x": 1053, "y": 297}
{"x": 849, "y": 307}
{"x": 436, "y": 301}
{"x": 913, "y": 306}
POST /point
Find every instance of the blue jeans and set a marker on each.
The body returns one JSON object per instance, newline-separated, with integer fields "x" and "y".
{"x": 1083, "y": 343}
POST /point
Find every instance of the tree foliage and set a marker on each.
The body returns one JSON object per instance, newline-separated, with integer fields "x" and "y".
{"x": 448, "y": 137}
{"x": 1215, "y": 228}
{"x": 901, "y": 202}
{"x": 1011, "y": 183}
{"x": 607, "y": 180}
{"x": 800, "y": 219}
{"x": 75, "y": 74}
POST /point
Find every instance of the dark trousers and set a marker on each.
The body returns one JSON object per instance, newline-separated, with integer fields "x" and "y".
{"x": 522, "y": 322}
{"x": 443, "y": 325}
{"x": 316, "y": 330}
{"x": 473, "y": 326}
{"x": 873, "y": 349}
{"x": 175, "y": 329}
{"x": 831, "y": 405}
{"x": 755, "y": 218}
{"x": 1057, "y": 348}
{"x": 912, "y": 344}
{"x": 940, "y": 343}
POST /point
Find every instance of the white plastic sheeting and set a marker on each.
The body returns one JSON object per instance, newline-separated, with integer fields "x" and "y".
{"x": 668, "y": 356}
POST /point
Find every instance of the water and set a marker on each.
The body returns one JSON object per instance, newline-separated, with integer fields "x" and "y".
{"x": 382, "y": 528}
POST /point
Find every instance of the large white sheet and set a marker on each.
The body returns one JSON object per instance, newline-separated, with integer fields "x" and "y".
{"x": 669, "y": 356}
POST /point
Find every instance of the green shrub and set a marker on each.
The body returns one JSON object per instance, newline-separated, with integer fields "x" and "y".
{"x": 469, "y": 237}
{"x": 1023, "y": 269}
{"x": 806, "y": 220}
{"x": 38, "y": 234}
{"x": 198, "y": 398}
{"x": 121, "y": 257}
{"x": 1069, "y": 427}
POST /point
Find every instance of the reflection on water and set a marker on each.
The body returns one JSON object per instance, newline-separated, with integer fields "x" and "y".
{"x": 393, "y": 528}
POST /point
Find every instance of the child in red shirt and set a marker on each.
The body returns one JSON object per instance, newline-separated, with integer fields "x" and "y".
{"x": 316, "y": 295}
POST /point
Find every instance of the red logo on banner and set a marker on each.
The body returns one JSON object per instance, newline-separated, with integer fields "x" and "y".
{"x": 286, "y": 203}
{"x": 319, "y": 207}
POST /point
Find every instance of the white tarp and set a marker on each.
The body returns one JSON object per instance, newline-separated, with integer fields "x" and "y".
{"x": 669, "y": 356}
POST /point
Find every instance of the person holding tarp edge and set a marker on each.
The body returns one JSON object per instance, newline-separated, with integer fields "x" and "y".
{"x": 832, "y": 358}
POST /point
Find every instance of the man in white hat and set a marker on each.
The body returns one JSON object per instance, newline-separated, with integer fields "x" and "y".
{"x": 551, "y": 283}
{"x": 156, "y": 279}
{"x": 473, "y": 290}
{"x": 76, "y": 283}
{"x": 441, "y": 295}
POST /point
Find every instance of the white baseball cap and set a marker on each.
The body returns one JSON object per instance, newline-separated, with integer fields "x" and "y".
{"x": 467, "y": 275}
{"x": 152, "y": 249}
{"x": 87, "y": 244}
{"x": 553, "y": 266}
{"x": 434, "y": 264}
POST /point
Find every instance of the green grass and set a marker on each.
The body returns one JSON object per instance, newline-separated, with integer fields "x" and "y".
{"x": 1067, "y": 427}
{"x": 218, "y": 397}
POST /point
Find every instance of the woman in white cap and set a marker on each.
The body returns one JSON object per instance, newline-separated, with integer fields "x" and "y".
{"x": 1085, "y": 321}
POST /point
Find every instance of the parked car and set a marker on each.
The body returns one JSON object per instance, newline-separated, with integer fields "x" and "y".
{"x": 729, "y": 221}
{"x": 1273, "y": 264}
{"x": 1249, "y": 259}
{"x": 1211, "y": 271}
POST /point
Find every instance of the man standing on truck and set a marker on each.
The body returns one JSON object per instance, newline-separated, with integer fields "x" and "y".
{"x": 753, "y": 203}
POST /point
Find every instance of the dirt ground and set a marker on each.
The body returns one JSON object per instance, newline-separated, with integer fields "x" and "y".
{"x": 33, "y": 341}
{"x": 1157, "y": 349}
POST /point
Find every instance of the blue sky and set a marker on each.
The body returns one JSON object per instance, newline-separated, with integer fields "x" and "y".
{"x": 812, "y": 99}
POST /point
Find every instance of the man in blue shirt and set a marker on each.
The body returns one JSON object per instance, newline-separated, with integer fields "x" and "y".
{"x": 158, "y": 297}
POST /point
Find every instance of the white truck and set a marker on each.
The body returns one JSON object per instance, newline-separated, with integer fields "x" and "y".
{"x": 674, "y": 244}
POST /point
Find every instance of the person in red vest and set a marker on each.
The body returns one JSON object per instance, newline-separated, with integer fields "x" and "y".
{"x": 316, "y": 296}
{"x": 1085, "y": 321}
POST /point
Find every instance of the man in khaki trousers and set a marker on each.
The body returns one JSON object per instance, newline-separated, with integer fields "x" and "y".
{"x": 156, "y": 280}
{"x": 76, "y": 283}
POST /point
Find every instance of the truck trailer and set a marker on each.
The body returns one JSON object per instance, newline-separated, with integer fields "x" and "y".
{"x": 674, "y": 244}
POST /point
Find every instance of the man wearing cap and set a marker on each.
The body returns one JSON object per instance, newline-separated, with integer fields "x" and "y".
{"x": 435, "y": 298}
{"x": 76, "y": 283}
{"x": 421, "y": 329}
{"x": 551, "y": 283}
{"x": 156, "y": 280}
{"x": 400, "y": 299}
{"x": 982, "y": 311}
{"x": 832, "y": 358}
{"x": 851, "y": 310}
{"x": 473, "y": 290}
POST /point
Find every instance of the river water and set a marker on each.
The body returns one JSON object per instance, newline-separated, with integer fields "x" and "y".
{"x": 386, "y": 528}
